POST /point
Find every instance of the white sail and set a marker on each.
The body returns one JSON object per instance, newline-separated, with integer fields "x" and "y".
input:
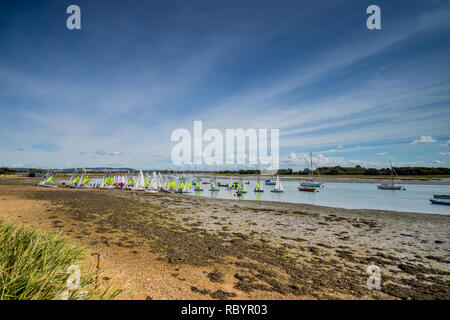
{"x": 154, "y": 181}
{"x": 278, "y": 185}
{"x": 139, "y": 181}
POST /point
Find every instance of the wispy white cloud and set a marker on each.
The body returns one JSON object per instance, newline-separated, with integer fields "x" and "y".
{"x": 424, "y": 139}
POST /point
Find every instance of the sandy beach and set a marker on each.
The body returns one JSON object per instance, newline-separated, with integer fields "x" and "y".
{"x": 171, "y": 246}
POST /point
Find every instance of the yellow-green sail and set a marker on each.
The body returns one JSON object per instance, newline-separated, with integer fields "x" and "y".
{"x": 86, "y": 180}
{"x": 131, "y": 181}
{"x": 75, "y": 180}
{"x": 50, "y": 179}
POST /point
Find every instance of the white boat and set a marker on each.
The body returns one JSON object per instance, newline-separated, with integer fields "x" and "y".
{"x": 304, "y": 185}
{"x": 48, "y": 181}
{"x": 391, "y": 186}
{"x": 278, "y": 186}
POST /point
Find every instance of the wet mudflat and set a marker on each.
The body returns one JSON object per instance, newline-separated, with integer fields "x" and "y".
{"x": 225, "y": 249}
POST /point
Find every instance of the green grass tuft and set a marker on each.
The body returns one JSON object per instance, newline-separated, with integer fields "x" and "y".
{"x": 33, "y": 266}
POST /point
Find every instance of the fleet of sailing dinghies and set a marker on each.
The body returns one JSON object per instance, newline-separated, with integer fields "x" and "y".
{"x": 186, "y": 184}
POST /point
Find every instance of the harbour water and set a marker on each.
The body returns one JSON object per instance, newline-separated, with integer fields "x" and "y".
{"x": 345, "y": 195}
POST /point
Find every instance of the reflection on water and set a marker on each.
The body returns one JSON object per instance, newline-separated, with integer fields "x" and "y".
{"x": 346, "y": 195}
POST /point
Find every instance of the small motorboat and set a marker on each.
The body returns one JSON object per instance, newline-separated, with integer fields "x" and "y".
{"x": 447, "y": 203}
{"x": 441, "y": 196}
{"x": 270, "y": 182}
{"x": 206, "y": 182}
{"x": 248, "y": 182}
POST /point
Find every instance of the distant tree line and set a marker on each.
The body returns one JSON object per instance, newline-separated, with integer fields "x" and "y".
{"x": 358, "y": 170}
{"x": 242, "y": 171}
{"x": 5, "y": 170}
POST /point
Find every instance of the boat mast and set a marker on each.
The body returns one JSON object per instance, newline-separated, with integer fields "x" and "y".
{"x": 311, "y": 166}
{"x": 392, "y": 173}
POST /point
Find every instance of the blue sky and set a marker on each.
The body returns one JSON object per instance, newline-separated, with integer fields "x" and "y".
{"x": 111, "y": 93}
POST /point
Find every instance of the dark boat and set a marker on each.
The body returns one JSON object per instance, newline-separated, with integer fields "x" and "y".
{"x": 307, "y": 189}
{"x": 447, "y": 203}
{"x": 441, "y": 196}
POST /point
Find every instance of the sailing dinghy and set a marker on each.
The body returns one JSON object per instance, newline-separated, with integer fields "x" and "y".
{"x": 139, "y": 185}
{"x": 74, "y": 180}
{"x": 258, "y": 187}
{"x": 84, "y": 180}
{"x": 214, "y": 187}
{"x": 278, "y": 186}
{"x": 48, "y": 181}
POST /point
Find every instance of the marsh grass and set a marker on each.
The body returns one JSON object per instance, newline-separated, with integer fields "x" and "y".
{"x": 33, "y": 266}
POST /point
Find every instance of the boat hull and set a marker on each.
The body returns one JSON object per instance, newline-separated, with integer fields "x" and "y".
{"x": 446, "y": 203}
{"x": 307, "y": 189}
{"x": 310, "y": 185}
{"x": 389, "y": 187}
{"x": 441, "y": 196}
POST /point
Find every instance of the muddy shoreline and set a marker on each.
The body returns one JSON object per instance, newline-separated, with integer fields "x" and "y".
{"x": 172, "y": 246}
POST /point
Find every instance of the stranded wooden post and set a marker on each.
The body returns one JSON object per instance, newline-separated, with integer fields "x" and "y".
{"x": 99, "y": 266}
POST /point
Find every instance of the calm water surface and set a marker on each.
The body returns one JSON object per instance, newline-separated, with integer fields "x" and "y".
{"x": 346, "y": 195}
